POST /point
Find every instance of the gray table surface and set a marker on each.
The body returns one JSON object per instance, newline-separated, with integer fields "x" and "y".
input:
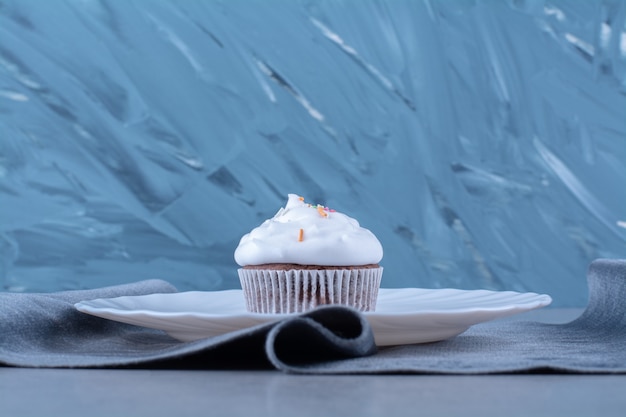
{"x": 92, "y": 393}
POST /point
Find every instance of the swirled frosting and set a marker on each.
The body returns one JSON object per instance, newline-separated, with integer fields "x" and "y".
{"x": 307, "y": 234}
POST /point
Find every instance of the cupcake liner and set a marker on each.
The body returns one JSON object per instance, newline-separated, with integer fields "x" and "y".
{"x": 298, "y": 290}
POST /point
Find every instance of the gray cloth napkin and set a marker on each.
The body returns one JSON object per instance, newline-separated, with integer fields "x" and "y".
{"x": 44, "y": 330}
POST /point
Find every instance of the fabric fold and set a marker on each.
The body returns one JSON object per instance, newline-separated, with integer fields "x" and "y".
{"x": 325, "y": 334}
{"x": 606, "y": 309}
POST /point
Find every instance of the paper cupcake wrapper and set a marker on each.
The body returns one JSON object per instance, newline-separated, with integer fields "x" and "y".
{"x": 293, "y": 291}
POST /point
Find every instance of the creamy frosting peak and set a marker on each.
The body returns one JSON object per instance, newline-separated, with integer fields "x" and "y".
{"x": 307, "y": 234}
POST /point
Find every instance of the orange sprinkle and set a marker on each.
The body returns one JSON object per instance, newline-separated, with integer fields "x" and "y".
{"x": 301, "y": 198}
{"x": 321, "y": 211}
{"x": 301, "y": 235}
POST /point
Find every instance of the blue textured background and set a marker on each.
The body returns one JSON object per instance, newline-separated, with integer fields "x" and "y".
{"x": 484, "y": 142}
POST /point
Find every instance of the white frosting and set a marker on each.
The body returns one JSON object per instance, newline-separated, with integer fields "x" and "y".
{"x": 333, "y": 239}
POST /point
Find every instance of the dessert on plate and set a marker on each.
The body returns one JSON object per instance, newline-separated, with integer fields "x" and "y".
{"x": 309, "y": 255}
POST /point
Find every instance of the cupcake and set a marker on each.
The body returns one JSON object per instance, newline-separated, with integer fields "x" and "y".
{"x": 309, "y": 255}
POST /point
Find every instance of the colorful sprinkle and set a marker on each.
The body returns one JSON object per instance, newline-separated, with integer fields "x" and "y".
{"x": 301, "y": 235}
{"x": 322, "y": 210}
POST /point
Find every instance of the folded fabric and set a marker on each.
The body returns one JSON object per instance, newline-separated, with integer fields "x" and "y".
{"x": 45, "y": 330}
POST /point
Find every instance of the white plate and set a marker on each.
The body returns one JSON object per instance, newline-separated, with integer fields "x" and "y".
{"x": 402, "y": 316}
